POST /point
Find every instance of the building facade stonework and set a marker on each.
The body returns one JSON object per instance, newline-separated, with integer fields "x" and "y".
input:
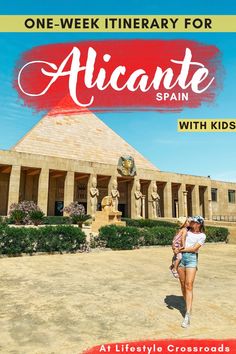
{"x": 58, "y": 161}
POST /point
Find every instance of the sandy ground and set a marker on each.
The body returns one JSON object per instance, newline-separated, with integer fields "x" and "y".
{"x": 67, "y": 303}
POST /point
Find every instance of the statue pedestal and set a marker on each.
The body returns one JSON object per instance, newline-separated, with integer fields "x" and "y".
{"x": 107, "y": 217}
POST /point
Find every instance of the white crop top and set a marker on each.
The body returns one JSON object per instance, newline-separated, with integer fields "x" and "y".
{"x": 192, "y": 239}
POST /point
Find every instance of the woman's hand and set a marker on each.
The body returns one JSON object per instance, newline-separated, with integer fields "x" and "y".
{"x": 193, "y": 249}
{"x": 176, "y": 251}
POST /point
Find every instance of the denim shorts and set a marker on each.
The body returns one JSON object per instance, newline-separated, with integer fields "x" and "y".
{"x": 189, "y": 260}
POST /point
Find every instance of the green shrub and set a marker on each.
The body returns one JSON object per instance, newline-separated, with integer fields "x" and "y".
{"x": 2, "y": 228}
{"x": 67, "y": 238}
{"x": 36, "y": 216}
{"x": 49, "y": 220}
{"x": 18, "y": 240}
{"x": 129, "y": 237}
{"x": 60, "y": 239}
{"x": 161, "y": 235}
{"x": 76, "y": 212}
{"x": 4, "y": 220}
{"x": 15, "y": 241}
{"x": 216, "y": 234}
{"x": 96, "y": 242}
{"x": 57, "y": 220}
{"x": 18, "y": 216}
{"x": 148, "y": 223}
{"x": 20, "y": 212}
{"x": 120, "y": 237}
{"x": 80, "y": 219}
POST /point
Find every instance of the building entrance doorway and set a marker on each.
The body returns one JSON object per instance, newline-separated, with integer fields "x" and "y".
{"x": 59, "y": 205}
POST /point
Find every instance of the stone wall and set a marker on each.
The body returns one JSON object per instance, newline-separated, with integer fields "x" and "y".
{"x": 48, "y": 180}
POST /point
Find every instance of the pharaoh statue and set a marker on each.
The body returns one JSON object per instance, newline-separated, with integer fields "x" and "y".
{"x": 115, "y": 194}
{"x": 138, "y": 200}
{"x": 126, "y": 166}
{"x": 155, "y": 201}
{"x": 94, "y": 193}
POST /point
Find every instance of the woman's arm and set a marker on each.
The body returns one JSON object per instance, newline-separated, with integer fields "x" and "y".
{"x": 183, "y": 238}
{"x": 173, "y": 246}
{"x": 193, "y": 249}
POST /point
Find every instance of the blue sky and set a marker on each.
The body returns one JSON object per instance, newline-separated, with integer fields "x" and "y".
{"x": 153, "y": 134}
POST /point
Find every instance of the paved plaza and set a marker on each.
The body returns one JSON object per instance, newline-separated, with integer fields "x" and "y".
{"x": 66, "y": 303}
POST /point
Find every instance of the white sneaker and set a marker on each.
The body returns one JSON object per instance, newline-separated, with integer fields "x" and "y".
{"x": 186, "y": 321}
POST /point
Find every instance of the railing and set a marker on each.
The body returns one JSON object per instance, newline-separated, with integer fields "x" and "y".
{"x": 228, "y": 218}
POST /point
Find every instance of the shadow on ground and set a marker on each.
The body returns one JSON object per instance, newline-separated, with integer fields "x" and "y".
{"x": 175, "y": 302}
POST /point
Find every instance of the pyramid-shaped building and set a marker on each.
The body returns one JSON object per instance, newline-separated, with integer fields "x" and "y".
{"x": 82, "y": 137}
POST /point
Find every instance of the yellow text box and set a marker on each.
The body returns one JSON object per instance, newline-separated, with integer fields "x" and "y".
{"x": 117, "y": 23}
{"x": 206, "y": 125}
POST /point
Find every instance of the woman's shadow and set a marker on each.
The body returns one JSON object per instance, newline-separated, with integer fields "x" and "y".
{"x": 175, "y": 302}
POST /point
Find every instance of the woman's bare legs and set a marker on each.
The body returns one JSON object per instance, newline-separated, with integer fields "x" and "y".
{"x": 182, "y": 276}
{"x": 189, "y": 280}
{"x": 186, "y": 277}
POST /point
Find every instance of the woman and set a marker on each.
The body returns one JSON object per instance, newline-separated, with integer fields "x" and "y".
{"x": 195, "y": 238}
